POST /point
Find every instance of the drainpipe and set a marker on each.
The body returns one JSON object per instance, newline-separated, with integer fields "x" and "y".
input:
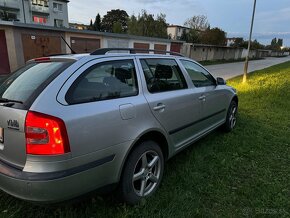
{"x": 23, "y": 11}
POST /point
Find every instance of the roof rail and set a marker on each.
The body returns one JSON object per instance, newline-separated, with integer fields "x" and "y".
{"x": 103, "y": 51}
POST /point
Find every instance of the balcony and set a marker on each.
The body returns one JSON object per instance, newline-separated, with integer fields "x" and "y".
{"x": 10, "y": 5}
{"x": 38, "y": 9}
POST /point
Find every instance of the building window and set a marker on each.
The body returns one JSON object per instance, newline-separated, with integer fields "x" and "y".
{"x": 41, "y": 20}
{"x": 8, "y": 16}
{"x": 57, "y": 7}
{"x": 40, "y": 2}
{"x": 58, "y": 23}
{"x": 45, "y": 3}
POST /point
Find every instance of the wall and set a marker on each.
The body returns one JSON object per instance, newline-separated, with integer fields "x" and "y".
{"x": 4, "y": 60}
{"x": 43, "y": 36}
{"x": 207, "y": 52}
{"x": 58, "y": 15}
{"x": 172, "y": 31}
{"x": 11, "y": 48}
{"x": 252, "y": 54}
{"x": 278, "y": 54}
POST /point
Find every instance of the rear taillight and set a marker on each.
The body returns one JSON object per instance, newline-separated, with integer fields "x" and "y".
{"x": 45, "y": 135}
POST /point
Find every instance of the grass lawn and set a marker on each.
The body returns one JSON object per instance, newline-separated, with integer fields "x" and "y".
{"x": 243, "y": 173}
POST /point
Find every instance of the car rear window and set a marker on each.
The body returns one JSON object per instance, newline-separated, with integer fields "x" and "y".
{"x": 30, "y": 80}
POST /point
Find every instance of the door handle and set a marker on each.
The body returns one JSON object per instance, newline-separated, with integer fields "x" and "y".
{"x": 202, "y": 98}
{"x": 159, "y": 107}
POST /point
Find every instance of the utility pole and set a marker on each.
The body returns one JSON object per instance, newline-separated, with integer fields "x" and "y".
{"x": 249, "y": 45}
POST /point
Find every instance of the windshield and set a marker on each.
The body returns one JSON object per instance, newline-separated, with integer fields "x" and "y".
{"x": 22, "y": 84}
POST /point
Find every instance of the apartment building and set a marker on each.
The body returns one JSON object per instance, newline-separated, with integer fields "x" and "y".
{"x": 43, "y": 12}
{"x": 175, "y": 32}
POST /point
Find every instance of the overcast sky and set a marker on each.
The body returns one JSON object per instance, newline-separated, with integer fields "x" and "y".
{"x": 233, "y": 16}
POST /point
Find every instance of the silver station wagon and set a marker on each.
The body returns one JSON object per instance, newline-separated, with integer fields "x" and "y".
{"x": 72, "y": 124}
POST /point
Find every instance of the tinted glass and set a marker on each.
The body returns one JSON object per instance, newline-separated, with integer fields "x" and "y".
{"x": 162, "y": 75}
{"x": 23, "y": 83}
{"x": 199, "y": 76}
{"x": 108, "y": 80}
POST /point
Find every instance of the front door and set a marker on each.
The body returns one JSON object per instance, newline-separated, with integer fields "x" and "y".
{"x": 213, "y": 105}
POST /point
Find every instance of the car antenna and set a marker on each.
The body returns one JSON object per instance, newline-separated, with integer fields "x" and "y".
{"x": 72, "y": 51}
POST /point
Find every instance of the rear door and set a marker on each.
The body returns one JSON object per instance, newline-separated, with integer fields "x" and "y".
{"x": 103, "y": 107}
{"x": 17, "y": 94}
{"x": 170, "y": 98}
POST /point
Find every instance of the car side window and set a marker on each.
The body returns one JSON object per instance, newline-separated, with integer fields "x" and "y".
{"x": 199, "y": 76}
{"x": 162, "y": 75}
{"x": 103, "y": 81}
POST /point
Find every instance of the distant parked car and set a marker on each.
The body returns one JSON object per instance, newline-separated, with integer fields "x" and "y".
{"x": 75, "y": 123}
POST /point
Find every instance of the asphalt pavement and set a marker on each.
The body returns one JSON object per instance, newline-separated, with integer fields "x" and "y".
{"x": 231, "y": 70}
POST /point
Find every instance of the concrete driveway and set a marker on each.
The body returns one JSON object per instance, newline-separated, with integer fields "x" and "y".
{"x": 231, "y": 70}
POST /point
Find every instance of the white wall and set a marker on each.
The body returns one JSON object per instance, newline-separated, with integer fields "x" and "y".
{"x": 172, "y": 32}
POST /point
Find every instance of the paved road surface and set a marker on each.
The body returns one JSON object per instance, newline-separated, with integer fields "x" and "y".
{"x": 231, "y": 70}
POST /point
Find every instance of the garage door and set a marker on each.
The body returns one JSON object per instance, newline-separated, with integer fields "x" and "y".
{"x": 160, "y": 47}
{"x": 175, "y": 47}
{"x": 35, "y": 46}
{"x": 84, "y": 45}
{"x": 4, "y": 61}
{"x": 141, "y": 46}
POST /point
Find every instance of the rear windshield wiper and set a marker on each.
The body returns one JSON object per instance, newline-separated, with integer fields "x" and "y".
{"x": 5, "y": 100}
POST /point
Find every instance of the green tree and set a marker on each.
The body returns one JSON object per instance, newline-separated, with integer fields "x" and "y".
{"x": 214, "y": 36}
{"x": 280, "y": 42}
{"x": 97, "y": 23}
{"x": 133, "y": 27}
{"x": 146, "y": 25}
{"x": 194, "y": 36}
{"x": 256, "y": 45}
{"x": 91, "y": 27}
{"x": 112, "y": 17}
{"x": 117, "y": 27}
{"x": 160, "y": 26}
{"x": 276, "y": 44}
{"x": 184, "y": 36}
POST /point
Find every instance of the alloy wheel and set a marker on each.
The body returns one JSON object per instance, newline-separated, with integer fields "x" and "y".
{"x": 147, "y": 173}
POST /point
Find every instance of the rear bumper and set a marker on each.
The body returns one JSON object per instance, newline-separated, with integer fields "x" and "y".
{"x": 61, "y": 185}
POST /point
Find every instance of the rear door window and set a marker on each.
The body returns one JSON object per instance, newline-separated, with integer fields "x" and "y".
{"x": 30, "y": 80}
{"x": 104, "y": 81}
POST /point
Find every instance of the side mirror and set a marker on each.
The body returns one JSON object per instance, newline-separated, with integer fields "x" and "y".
{"x": 220, "y": 81}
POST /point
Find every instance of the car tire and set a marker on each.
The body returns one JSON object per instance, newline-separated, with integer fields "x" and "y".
{"x": 142, "y": 173}
{"x": 231, "y": 119}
